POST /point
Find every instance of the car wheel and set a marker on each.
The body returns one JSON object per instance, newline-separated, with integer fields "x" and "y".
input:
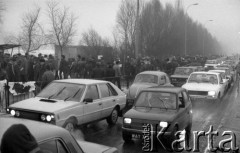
{"x": 127, "y": 137}
{"x": 112, "y": 119}
{"x": 70, "y": 125}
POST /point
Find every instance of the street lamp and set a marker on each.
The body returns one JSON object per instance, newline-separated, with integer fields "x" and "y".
{"x": 185, "y": 33}
{"x": 204, "y": 34}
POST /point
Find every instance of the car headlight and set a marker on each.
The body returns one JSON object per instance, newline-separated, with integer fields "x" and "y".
{"x": 48, "y": 118}
{"x": 163, "y": 124}
{"x": 211, "y": 93}
{"x": 127, "y": 120}
{"x": 13, "y": 112}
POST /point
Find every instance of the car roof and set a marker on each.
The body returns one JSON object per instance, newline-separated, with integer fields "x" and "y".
{"x": 192, "y": 67}
{"x": 204, "y": 72}
{"x": 153, "y": 72}
{"x": 81, "y": 81}
{"x": 41, "y": 131}
{"x": 215, "y": 70}
{"x": 169, "y": 89}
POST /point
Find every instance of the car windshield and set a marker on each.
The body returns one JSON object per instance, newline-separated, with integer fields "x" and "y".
{"x": 183, "y": 71}
{"x": 63, "y": 91}
{"x": 203, "y": 78}
{"x": 162, "y": 100}
{"x": 146, "y": 78}
{"x": 211, "y": 62}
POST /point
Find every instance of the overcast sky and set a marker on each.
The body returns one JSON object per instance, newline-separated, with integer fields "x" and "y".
{"x": 101, "y": 15}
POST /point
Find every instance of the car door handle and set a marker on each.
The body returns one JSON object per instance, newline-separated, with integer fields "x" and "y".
{"x": 114, "y": 100}
{"x": 100, "y": 104}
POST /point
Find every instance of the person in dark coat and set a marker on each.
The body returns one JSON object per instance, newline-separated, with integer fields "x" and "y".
{"x": 63, "y": 68}
{"x": 98, "y": 72}
{"x": 110, "y": 73}
{"x": 47, "y": 77}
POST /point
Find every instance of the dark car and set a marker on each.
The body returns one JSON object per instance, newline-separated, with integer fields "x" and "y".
{"x": 181, "y": 75}
{"x": 164, "y": 108}
{"x": 54, "y": 139}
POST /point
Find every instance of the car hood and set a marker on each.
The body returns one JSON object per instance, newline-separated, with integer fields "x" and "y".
{"x": 200, "y": 86}
{"x": 179, "y": 76}
{"x": 153, "y": 114}
{"x": 137, "y": 87}
{"x": 89, "y": 147}
{"x": 42, "y": 106}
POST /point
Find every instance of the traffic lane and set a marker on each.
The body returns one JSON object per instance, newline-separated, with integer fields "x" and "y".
{"x": 209, "y": 113}
{"x": 205, "y": 113}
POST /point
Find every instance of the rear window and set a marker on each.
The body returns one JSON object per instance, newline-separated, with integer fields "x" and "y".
{"x": 146, "y": 78}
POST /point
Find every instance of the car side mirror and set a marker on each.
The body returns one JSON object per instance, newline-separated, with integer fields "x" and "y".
{"x": 181, "y": 105}
{"x": 88, "y": 100}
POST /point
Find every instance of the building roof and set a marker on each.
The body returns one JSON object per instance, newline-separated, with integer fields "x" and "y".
{"x": 8, "y": 46}
{"x": 81, "y": 81}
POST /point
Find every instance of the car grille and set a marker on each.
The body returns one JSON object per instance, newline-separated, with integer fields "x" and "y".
{"x": 202, "y": 93}
{"x": 30, "y": 115}
{"x": 178, "y": 80}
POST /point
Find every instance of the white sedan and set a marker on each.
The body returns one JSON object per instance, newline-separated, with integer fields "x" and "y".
{"x": 205, "y": 85}
{"x": 72, "y": 102}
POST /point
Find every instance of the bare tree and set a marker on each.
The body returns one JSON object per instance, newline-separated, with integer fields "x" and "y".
{"x": 32, "y": 36}
{"x": 126, "y": 20}
{"x": 63, "y": 24}
{"x": 94, "y": 41}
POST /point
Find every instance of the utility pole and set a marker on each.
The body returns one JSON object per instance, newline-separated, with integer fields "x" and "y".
{"x": 137, "y": 33}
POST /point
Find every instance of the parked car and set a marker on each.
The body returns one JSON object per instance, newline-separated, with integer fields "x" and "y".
{"x": 54, "y": 139}
{"x": 181, "y": 75}
{"x": 161, "y": 107}
{"x": 72, "y": 102}
{"x": 211, "y": 63}
{"x": 207, "y": 85}
{"x": 144, "y": 80}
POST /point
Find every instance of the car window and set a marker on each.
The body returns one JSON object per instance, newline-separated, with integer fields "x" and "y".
{"x": 185, "y": 97}
{"x": 53, "y": 146}
{"x": 146, "y": 78}
{"x": 180, "y": 99}
{"x": 61, "y": 147}
{"x": 104, "y": 90}
{"x": 63, "y": 91}
{"x": 163, "y": 80}
{"x": 112, "y": 91}
{"x": 220, "y": 78}
{"x": 162, "y": 100}
{"x": 92, "y": 92}
{"x": 203, "y": 78}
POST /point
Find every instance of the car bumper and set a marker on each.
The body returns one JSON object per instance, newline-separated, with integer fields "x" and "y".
{"x": 133, "y": 132}
{"x": 203, "y": 97}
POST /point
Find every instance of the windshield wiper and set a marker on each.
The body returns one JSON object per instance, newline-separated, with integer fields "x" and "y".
{"x": 73, "y": 95}
{"x": 163, "y": 102}
{"x": 56, "y": 94}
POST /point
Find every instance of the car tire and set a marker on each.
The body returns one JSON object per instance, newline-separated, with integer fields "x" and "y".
{"x": 112, "y": 119}
{"x": 127, "y": 137}
{"x": 70, "y": 125}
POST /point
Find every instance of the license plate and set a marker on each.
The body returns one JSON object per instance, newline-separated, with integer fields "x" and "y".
{"x": 136, "y": 136}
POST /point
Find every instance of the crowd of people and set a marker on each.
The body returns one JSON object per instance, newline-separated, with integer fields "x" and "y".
{"x": 45, "y": 68}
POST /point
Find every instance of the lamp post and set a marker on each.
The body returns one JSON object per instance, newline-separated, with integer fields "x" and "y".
{"x": 185, "y": 30}
{"x": 204, "y": 35}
